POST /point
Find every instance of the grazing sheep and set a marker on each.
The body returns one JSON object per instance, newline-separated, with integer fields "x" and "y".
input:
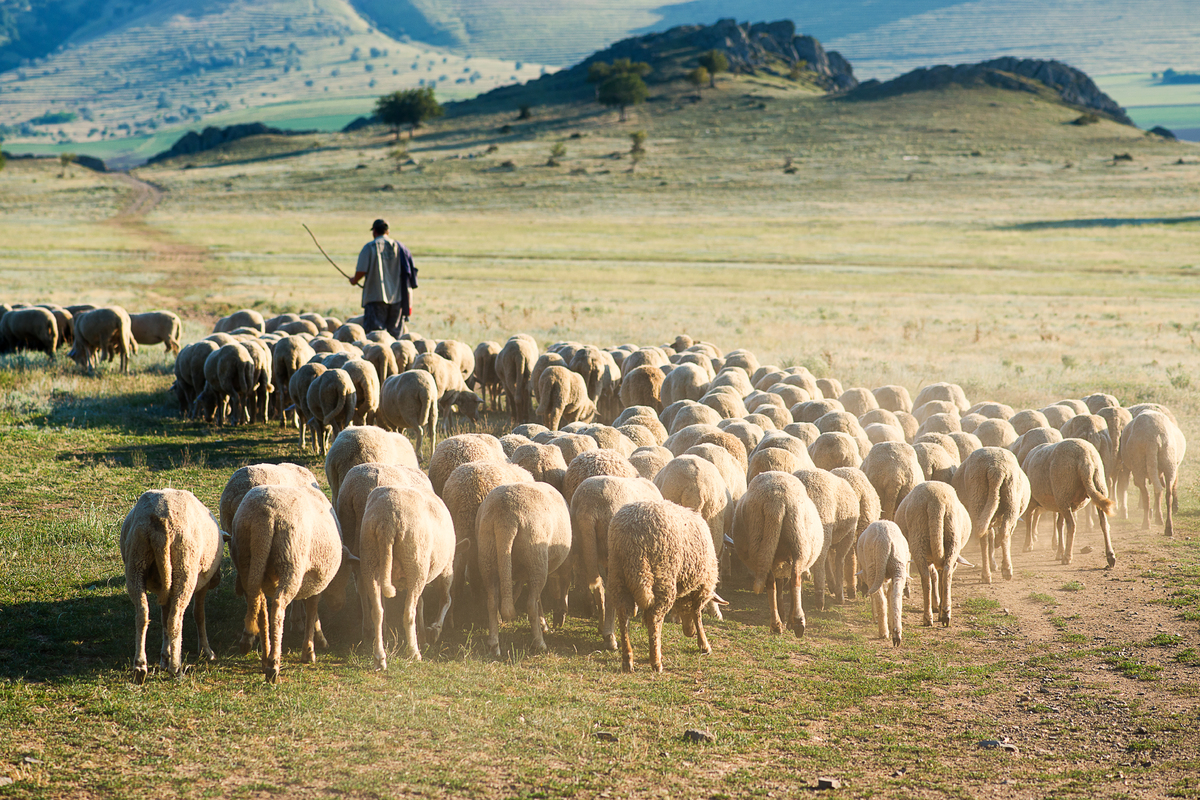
{"x": 260, "y": 397}
{"x": 858, "y": 401}
{"x": 938, "y": 463}
{"x": 381, "y": 357}
{"x": 407, "y": 538}
{"x": 638, "y": 435}
{"x": 966, "y": 443}
{"x": 893, "y": 398}
{"x": 835, "y": 449}
{"x": 725, "y": 402}
{"x": 253, "y": 475}
{"x": 563, "y": 398}
{"x": 830, "y": 387}
{"x": 1027, "y": 441}
{"x": 838, "y": 505}
{"x": 868, "y": 512}
{"x": 544, "y": 462}
{"x": 99, "y": 330}
{"x": 595, "y": 462}
{"x": 171, "y": 546}
{"x": 63, "y": 320}
{"x": 350, "y": 332}
{"x": 877, "y": 433}
{"x": 571, "y": 444}
{"x": 642, "y": 386}
{"x": 813, "y": 410}
{"x": 273, "y": 324}
{"x": 285, "y": 544}
{"x": 992, "y": 410}
{"x": 684, "y": 438}
{"x": 1057, "y": 415}
{"x": 646, "y": 356}
{"x": 786, "y": 441}
{"x": 790, "y": 395}
{"x": 514, "y": 365}
{"x": 524, "y": 535}
{"x": 996, "y": 492}
{"x": 228, "y": 378}
{"x": 356, "y": 488}
{"x": 544, "y": 362}
{"x": 298, "y": 327}
{"x": 408, "y": 401}
{"x": 696, "y": 483}
{"x": 777, "y": 532}
{"x": 806, "y": 432}
{"x": 1152, "y": 448}
{"x": 649, "y": 460}
{"x": 459, "y": 354}
{"x": 749, "y": 433}
{"x": 659, "y": 557}
{"x": 686, "y": 382}
{"x": 774, "y": 459}
{"x": 457, "y": 450}
{"x": 405, "y": 353}
{"x": 1062, "y": 477}
{"x": 695, "y": 414}
{"x": 289, "y": 355}
{"x": 484, "y": 378}
{"x": 365, "y": 445}
{"x": 894, "y": 470}
{"x": 1027, "y": 420}
{"x": 950, "y": 392}
{"x": 154, "y": 327}
{"x": 969, "y": 422}
{"x": 732, "y": 377}
{"x": 189, "y": 368}
{"x": 940, "y": 423}
{"x": 592, "y": 508}
{"x": 331, "y": 403}
{"x": 928, "y": 409}
{"x": 511, "y": 441}
{"x": 996, "y": 432}
{"x": 298, "y": 386}
{"x": 937, "y": 526}
{"x": 667, "y": 415}
{"x": 246, "y": 318}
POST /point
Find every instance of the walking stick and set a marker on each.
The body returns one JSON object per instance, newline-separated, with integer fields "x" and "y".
{"x": 327, "y": 258}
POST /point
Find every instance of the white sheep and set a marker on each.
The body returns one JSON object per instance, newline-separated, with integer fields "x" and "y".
{"x": 996, "y": 492}
{"x": 365, "y": 445}
{"x": 937, "y": 526}
{"x": 893, "y": 469}
{"x": 457, "y": 450}
{"x": 1152, "y": 448}
{"x": 154, "y": 327}
{"x": 883, "y": 556}
{"x": 171, "y": 546}
{"x": 331, "y": 404}
{"x": 1063, "y": 477}
{"x": 409, "y": 401}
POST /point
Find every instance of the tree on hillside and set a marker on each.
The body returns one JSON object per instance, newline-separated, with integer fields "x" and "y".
{"x": 623, "y": 90}
{"x": 408, "y": 107}
{"x": 714, "y": 61}
{"x": 698, "y": 77}
{"x": 599, "y": 72}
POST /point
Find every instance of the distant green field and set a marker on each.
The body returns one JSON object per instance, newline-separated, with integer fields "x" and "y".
{"x": 1149, "y": 103}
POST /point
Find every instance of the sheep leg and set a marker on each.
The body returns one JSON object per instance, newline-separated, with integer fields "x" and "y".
{"x": 773, "y": 594}
{"x": 1031, "y": 518}
{"x": 622, "y": 612}
{"x": 879, "y": 613}
{"x": 275, "y": 657}
{"x": 928, "y": 590}
{"x": 895, "y": 604}
{"x": 606, "y": 627}
{"x": 797, "y": 612}
{"x": 985, "y": 553}
{"x": 1156, "y": 482}
{"x": 698, "y": 624}
{"x": 1172, "y": 501}
{"x": 1144, "y": 494}
{"x": 1059, "y": 537}
{"x": 1109, "y": 554}
{"x": 164, "y": 652}
{"x": 849, "y": 568}
{"x": 412, "y": 599}
{"x": 536, "y": 622}
{"x": 206, "y": 652}
{"x": 419, "y": 621}
{"x": 1069, "y": 538}
{"x": 1005, "y": 534}
{"x": 141, "y": 624}
{"x": 373, "y": 600}
{"x": 654, "y": 621}
{"x": 320, "y": 640}
{"x": 312, "y": 624}
{"x": 434, "y": 631}
{"x": 1121, "y": 494}
{"x": 818, "y": 576}
{"x": 493, "y": 608}
{"x": 837, "y": 568}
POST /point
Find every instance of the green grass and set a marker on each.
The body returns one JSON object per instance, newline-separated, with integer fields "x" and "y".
{"x": 1072, "y": 586}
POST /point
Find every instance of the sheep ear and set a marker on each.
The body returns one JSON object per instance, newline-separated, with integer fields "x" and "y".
{"x": 716, "y": 598}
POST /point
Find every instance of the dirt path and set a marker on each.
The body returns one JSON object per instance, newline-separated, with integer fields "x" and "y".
{"x": 181, "y": 266}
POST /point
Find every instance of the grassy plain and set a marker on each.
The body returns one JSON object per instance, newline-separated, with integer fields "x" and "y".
{"x": 893, "y": 253}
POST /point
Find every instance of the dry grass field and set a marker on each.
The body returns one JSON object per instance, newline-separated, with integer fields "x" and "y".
{"x": 973, "y": 236}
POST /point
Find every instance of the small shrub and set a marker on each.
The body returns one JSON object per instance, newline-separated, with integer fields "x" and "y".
{"x": 1072, "y": 586}
{"x": 1069, "y": 361}
{"x": 1086, "y": 119}
{"x": 525, "y": 111}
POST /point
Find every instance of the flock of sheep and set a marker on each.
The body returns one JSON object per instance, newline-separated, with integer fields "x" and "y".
{"x": 93, "y": 333}
{"x": 650, "y": 469}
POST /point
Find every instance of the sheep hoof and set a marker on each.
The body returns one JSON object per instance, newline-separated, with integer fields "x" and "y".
{"x": 381, "y": 665}
{"x": 798, "y": 628}
{"x": 1112, "y": 559}
{"x": 896, "y": 640}
{"x": 494, "y": 650}
{"x": 539, "y": 647}
{"x": 308, "y": 657}
{"x": 433, "y": 633}
{"x": 272, "y": 675}
{"x": 320, "y": 640}
{"x": 927, "y": 622}
{"x": 610, "y": 642}
{"x": 139, "y": 675}
{"x": 209, "y": 655}
{"x": 626, "y": 666}
{"x": 657, "y": 667}
{"x": 777, "y": 627}
{"x": 945, "y": 620}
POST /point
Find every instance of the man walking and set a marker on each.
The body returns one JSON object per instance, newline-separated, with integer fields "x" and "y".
{"x": 390, "y": 276}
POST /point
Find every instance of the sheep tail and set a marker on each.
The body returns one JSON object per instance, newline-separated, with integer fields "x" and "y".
{"x": 937, "y": 535}
{"x": 386, "y": 544}
{"x": 983, "y": 521}
{"x": 160, "y": 544}
{"x": 1093, "y": 484}
{"x": 772, "y": 529}
{"x": 506, "y": 534}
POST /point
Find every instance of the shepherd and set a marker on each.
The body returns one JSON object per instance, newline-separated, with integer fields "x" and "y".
{"x": 390, "y": 276}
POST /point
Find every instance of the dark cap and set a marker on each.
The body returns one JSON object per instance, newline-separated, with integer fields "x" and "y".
{"x": 379, "y": 225}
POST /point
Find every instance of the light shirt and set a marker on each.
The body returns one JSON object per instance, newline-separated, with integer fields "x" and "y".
{"x": 386, "y": 264}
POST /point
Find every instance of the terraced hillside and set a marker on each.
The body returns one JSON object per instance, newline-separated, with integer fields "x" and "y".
{"x": 185, "y": 62}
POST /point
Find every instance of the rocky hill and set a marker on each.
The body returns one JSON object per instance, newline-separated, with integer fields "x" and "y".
{"x": 1071, "y": 86}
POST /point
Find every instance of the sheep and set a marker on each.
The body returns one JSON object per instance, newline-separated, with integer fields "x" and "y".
{"x": 667, "y": 415}
{"x": 457, "y": 450}
{"x": 459, "y": 354}
{"x": 1058, "y": 414}
{"x": 514, "y": 365}
{"x": 405, "y": 353}
{"x": 246, "y": 318}
{"x": 592, "y": 508}
{"x": 695, "y": 414}
{"x": 894, "y": 470}
{"x": 409, "y": 401}
{"x": 1026, "y": 442}
{"x": 938, "y": 463}
{"x": 572, "y": 444}
{"x": 64, "y": 321}
{"x": 407, "y": 538}
{"x": 251, "y": 475}
{"x": 511, "y": 441}
{"x": 966, "y": 443}
{"x": 732, "y": 377}
{"x": 884, "y": 556}
{"x": 274, "y": 323}
{"x": 260, "y": 395}
{"x": 937, "y": 526}
{"x": 298, "y": 387}
{"x": 686, "y": 382}
{"x": 524, "y": 534}
{"x": 749, "y": 433}
{"x": 774, "y": 459}
{"x": 644, "y": 416}
{"x": 98, "y": 330}
{"x": 868, "y": 512}
{"x": 1062, "y": 477}
{"x": 381, "y": 357}
{"x": 813, "y": 410}
{"x": 484, "y": 378}
{"x": 806, "y": 432}
{"x": 646, "y": 356}
{"x": 696, "y": 483}
{"x": 1027, "y": 420}
{"x": 638, "y": 435}
{"x": 992, "y": 410}
{"x": 564, "y": 398}
{"x": 996, "y": 432}
{"x": 595, "y": 462}
{"x": 790, "y": 395}
{"x": 649, "y": 460}
{"x": 331, "y": 404}
{"x": 838, "y": 505}
{"x": 835, "y": 449}
{"x": 950, "y": 392}
{"x": 858, "y": 401}
{"x": 909, "y": 424}
{"x": 995, "y": 491}
{"x": 830, "y": 387}
{"x": 590, "y": 363}
{"x": 642, "y": 386}
{"x": 1152, "y": 448}
{"x": 544, "y": 462}
{"x": 171, "y": 546}
{"x": 726, "y": 403}
{"x": 298, "y": 327}
{"x": 228, "y": 377}
{"x": 289, "y": 355}
{"x": 877, "y": 432}
{"x": 365, "y": 445}
{"x": 154, "y": 327}
{"x": 931, "y": 407}
{"x": 350, "y": 332}
{"x": 285, "y": 543}
{"x": 777, "y": 531}
{"x": 803, "y": 380}
{"x": 969, "y": 422}
{"x": 727, "y": 442}
{"x": 939, "y": 423}
{"x": 659, "y": 557}
{"x": 543, "y": 363}
{"x": 893, "y": 398}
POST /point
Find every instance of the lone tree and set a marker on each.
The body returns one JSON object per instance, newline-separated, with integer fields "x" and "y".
{"x": 620, "y": 83}
{"x": 698, "y": 77}
{"x": 714, "y": 61}
{"x": 408, "y": 107}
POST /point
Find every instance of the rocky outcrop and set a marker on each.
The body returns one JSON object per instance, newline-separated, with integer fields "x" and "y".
{"x": 212, "y": 136}
{"x": 1072, "y": 86}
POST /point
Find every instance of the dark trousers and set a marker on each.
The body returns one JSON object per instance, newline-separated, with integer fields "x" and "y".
{"x": 384, "y": 316}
